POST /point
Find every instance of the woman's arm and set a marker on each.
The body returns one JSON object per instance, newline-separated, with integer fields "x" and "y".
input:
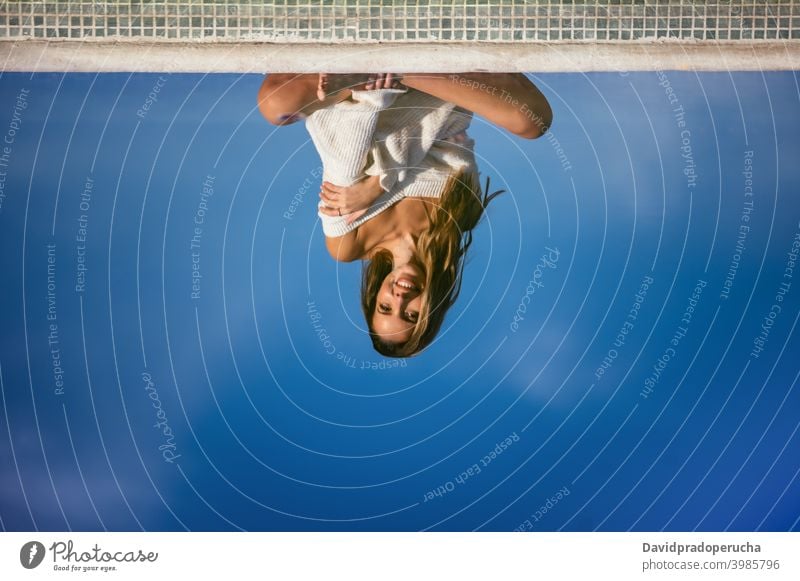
{"x": 344, "y": 248}
{"x": 509, "y": 100}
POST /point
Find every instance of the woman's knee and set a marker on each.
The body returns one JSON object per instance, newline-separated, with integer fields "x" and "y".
{"x": 280, "y": 99}
{"x": 269, "y": 99}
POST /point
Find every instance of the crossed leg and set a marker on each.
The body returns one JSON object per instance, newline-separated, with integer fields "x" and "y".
{"x": 285, "y": 98}
{"x": 509, "y": 100}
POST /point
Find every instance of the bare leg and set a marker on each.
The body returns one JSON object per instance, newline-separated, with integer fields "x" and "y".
{"x": 508, "y": 100}
{"x": 286, "y": 97}
{"x": 331, "y": 84}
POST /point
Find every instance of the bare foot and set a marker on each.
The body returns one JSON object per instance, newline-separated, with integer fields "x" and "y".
{"x": 332, "y": 84}
{"x": 385, "y": 81}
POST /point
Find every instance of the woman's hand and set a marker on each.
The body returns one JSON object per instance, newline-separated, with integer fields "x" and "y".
{"x": 351, "y": 201}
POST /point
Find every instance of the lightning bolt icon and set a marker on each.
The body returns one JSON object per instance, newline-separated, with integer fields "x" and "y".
{"x": 34, "y": 550}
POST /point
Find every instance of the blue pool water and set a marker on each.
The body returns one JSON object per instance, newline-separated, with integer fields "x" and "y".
{"x": 177, "y": 351}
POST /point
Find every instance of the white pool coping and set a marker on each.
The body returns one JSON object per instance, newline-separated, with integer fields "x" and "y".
{"x": 137, "y": 55}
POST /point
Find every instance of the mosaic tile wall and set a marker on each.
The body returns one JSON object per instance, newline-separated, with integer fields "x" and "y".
{"x": 374, "y": 20}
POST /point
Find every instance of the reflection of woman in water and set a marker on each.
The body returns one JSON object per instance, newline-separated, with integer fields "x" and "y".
{"x": 401, "y": 187}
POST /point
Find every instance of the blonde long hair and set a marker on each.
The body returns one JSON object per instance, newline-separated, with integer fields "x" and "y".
{"x": 439, "y": 254}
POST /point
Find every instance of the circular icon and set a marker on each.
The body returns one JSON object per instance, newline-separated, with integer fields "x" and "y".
{"x": 31, "y": 554}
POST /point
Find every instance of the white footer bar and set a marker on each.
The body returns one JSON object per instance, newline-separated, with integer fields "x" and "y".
{"x": 406, "y": 556}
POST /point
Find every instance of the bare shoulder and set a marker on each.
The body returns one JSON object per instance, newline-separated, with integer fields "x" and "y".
{"x": 344, "y": 248}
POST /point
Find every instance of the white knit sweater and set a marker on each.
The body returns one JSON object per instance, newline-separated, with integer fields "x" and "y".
{"x": 412, "y": 140}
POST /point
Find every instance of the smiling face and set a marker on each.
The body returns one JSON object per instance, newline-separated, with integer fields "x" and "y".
{"x": 398, "y": 304}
